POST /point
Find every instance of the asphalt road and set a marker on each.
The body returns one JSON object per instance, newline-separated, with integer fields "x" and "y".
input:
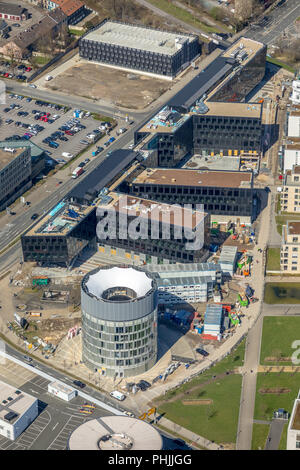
{"x": 276, "y": 22}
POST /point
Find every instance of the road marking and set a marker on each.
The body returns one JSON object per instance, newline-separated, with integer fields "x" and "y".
{"x": 55, "y": 426}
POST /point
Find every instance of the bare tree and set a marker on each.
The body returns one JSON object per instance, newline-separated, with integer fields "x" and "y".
{"x": 243, "y": 9}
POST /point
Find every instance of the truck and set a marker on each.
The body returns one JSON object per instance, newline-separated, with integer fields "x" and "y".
{"x": 77, "y": 172}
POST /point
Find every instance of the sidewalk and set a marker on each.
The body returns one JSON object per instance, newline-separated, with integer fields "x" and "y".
{"x": 191, "y": 436}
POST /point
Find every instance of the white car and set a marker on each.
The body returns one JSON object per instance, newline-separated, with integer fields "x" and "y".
{"x": 67, "y": 155}
{"x": 32, "y": 85}
{"x": 131, "y": 146}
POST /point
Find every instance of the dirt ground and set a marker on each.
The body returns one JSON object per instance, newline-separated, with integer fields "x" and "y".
{"x": 97, "y": 82}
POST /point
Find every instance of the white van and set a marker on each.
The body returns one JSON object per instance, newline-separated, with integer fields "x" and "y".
{"x": 118, "y": 395}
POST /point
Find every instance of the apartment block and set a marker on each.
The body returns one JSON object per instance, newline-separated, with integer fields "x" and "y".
{"x": 290, "y": 248}
{"x": 290, "y": 195}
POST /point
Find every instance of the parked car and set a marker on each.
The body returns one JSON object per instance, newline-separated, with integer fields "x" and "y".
{"x": 202, "y": 352}
{"x": 34, "y": 216}
{"x": 78, "y": 383}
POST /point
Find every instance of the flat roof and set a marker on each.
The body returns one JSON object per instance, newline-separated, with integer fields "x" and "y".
{"x": 119, "y": 433}
{"x": 203, "y": 82}
{"x": 138, "y": 37}
{"x": 13, "y": 400}
{"x": 182, "y": 269}
{"x": 250, "y": 46}
{"x": 60, "y": 220}
{"x": 8, "y": 157}
{"x": 89, "y": 186}
{"x": 61, "y": 387}
{"x": 186, "y": 177}
{"x": 213, "y": 163}
{"x": 219, "y": 108}
{"x": 134, "y": 206}
{"x": 36, "y": 151}
{"x": 183, "y": 281}
{"x": 158, "y": 123}
{"x": 293, "y": 228}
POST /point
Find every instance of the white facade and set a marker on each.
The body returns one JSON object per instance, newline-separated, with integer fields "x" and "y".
{"x": 17, "y": 411}
{"x": 294, "y": 125}
{"x": 291, "y": 158}
{"x": 228, "y": 259}
{"x": 179, "y": 290}
{"x": 60, "y": 390}
{"x": 295, "y": 97}
{"x": 293, "y": 433}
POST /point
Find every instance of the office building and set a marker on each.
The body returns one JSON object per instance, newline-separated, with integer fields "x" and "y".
{"x": 290, "y": 248}
{"x": 132, "y": 225}
{"x": 119, "y": 321}
{"x": 139, "y": 48}
{"x": 293, "y": 432}
{"x": 17, "y": 411}
{"x": 225, "y": 195}
{"x": 15, "y": 173}
{"x": 60, "y": 236}
{"x": 294, "y": 122}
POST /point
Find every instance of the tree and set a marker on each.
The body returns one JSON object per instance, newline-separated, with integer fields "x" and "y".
{"x": 243, "y": 9}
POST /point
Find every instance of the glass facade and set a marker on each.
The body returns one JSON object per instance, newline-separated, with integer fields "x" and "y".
{"x": 120, "y": 348}
{"x": 236, "y": 89}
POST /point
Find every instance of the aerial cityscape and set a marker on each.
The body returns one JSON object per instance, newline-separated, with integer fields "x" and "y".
{"x": 150, "y": 227}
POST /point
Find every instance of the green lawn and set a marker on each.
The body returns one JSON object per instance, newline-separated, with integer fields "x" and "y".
{"x": 266, "y": 404}
{"x": 76, "y": 32}
{"x": 283, "y": 218}
{"x": 277, "y": 338}
{"x": 281, "y": 64}
{"x": 282, "y": 293}
{"x": 282, "y": 444}
{"x": 218, "y": 421}
{"x": 183, "y": 15}
{"x": 273, "y": 259}
{"x": 259, "y": 436}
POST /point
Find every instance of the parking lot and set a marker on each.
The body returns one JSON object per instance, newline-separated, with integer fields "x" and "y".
{"x": 32, "y": 120}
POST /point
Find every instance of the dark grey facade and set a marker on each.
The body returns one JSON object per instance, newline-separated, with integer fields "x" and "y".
{"x": 139, "y": 59}
{"x": 222, "y": 133}
{"x": 119, "y": 333}
{"x": 15, "y": 175}
{"x": 57, "y": 248}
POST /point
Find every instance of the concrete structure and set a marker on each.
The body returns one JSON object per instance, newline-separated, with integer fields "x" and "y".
{"x": 17, "y": 411}
{"x": 115, "y": 433}
{"x": 225, "y": 195}
{"x": 119, "y": 321}
{"x": 180, "y": 283}
{"x": 139, "y": 48}
{"x": 60, "y": 235}
{"x": 293, "y": 432}
{"x": 291, "y": 153}
{"x": 228, "y": 259}
{"x": 290, "y": 247}
{"x": 290, "y": 194}
{"x": 15, "y": 173}
{"x": 162, "y": 231}
{"x": 213, "y": 320}
{"x": 62, "y": 391}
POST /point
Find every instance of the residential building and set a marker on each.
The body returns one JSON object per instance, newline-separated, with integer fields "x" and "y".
{"x": 290, "y": 194}
{"x": 294, "y": 122}
{"x": 4, "y": 28}
{"x": 15, "y": 174}
{"x": 295, "y": 96}
{"x": 290, "y": 247}
{"x": 159, "y": 231}
{"x": 23, "y": 43}
{"x": 74, "y": 9}
{"x": 17, "y": 411}
{"x": 225, "y": 195}
{"x": 139, "y": 48}
{"x": 61, "y": 235}
{"x": 293, "y": 432}
{"x": 13, "y": 12}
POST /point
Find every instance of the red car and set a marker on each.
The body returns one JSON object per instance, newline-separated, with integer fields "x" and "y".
{"x": 69, "y": 132}
{"x": 6, "y": 75}
{"x": 28, "y": 69}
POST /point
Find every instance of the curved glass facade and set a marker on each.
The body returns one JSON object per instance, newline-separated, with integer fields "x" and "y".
{"x": 120, "y": 348}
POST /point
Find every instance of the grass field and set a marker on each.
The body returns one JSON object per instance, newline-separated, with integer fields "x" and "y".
{"x": 217, "y": 422}
{"x": 273, "y": 259}
{"x": 266, "y": 404}
{"x": 276, "y": 344}
{"x": 259, "y": 436}
{"x": 282, "y": 293}
{"x": 281, "y": 64}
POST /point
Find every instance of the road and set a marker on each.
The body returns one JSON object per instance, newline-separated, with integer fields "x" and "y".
{"x": 277, "y": 22}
